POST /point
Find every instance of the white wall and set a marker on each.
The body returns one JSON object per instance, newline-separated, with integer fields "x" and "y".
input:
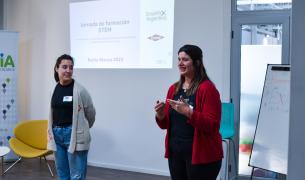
{"x": 125, "y": 135}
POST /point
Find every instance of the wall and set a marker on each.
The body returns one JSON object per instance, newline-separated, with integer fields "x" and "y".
{"x": 296, "y": 158}
{"x": 125, "y": 135}
{"x": 1, "y": 14}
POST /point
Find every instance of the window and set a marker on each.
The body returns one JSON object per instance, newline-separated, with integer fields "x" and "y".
{"x": 259, "y": 5}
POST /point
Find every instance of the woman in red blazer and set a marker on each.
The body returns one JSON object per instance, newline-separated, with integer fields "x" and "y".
{"x": 191, "y": 115}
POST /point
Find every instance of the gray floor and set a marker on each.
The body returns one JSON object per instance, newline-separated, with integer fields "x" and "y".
{"x": 33, "y": 169}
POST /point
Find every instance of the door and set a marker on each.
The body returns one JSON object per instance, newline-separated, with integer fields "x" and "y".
{"x": 257, "y": 40}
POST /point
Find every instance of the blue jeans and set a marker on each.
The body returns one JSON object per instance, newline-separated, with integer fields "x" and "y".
{"x": 68, "y": 166}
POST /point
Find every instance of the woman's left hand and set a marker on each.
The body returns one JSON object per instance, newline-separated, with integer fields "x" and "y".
{"x": 181, "y": 106}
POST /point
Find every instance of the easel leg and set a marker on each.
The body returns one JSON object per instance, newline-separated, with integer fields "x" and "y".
{"x": 252, "y": 173}
{"x": 2, "y": 165}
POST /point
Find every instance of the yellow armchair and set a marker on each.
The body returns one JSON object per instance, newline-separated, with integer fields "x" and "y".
{"x": 30, "y": 141}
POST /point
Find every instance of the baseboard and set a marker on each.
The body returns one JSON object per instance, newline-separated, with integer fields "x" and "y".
{"x": 247, "y": 177}
{"x": 129, "y": 168}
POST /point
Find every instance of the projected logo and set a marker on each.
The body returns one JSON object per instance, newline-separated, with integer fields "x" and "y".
{"x": 153, "y": 16}
{"x": 155, "y": 37}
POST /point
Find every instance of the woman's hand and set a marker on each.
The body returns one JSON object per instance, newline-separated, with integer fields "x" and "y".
{"x": 159, "y": 108}
{"x": 181, "y": 106}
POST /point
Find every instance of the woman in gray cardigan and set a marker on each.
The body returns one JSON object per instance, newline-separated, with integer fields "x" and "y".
{"x": 72, "y": 114}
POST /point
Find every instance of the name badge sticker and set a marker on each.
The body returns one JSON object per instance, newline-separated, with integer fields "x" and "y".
{"x": 67, "y": 99}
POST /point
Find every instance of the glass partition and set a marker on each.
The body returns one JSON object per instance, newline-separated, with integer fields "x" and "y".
{"x": 259, "y": 5}
{"x": 261, "y": 44}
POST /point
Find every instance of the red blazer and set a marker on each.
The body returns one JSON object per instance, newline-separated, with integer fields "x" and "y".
{"x": 207, "y": 142}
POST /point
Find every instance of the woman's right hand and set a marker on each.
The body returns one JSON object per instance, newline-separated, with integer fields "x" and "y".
{"x": 159, "y": 108}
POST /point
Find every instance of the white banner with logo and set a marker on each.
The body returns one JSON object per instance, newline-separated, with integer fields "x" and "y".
{"x": 8, "y": 87}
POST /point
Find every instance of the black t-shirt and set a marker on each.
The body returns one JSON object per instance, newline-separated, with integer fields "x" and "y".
{"x": 62, "y": 105}
{"x": 181, "y": 132}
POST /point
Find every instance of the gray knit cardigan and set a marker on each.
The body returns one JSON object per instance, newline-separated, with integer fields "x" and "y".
{"x": 82, "y": 120}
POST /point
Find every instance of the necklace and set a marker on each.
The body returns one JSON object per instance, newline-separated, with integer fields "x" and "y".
{"x": 185, "y": 88}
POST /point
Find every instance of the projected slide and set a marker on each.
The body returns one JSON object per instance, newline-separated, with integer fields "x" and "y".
{"x": 122, "y": 34}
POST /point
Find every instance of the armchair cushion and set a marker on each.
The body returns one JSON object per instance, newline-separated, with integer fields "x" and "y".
{"x": 30, "y": 139}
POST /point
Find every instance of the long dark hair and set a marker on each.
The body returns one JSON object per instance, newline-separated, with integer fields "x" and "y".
{"x": 200, "y": 74}
{"x": 58, "y": 61}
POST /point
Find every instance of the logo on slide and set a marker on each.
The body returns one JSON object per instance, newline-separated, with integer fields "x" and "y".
{"x": 155, "y": 37}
